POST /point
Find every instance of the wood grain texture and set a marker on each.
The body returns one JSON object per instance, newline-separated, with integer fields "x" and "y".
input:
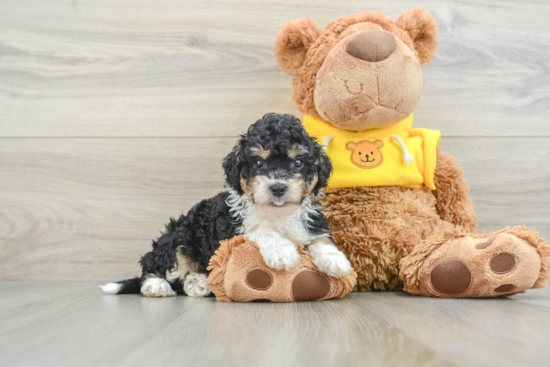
{"x": 73, "y": 324}
{"x": 115, "y": 115}
{"x": 205, "y": 68}
{"x": 88, "y": 208}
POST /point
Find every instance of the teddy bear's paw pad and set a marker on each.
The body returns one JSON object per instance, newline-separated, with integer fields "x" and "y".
{"x": 506, "y": 288}
{"x": 483, "y": 245}
{"x": 450, "y": 277}
{"x": 259, "y": 279}
{"x": 309, "y": 285}
{"x": 503, "y": 263}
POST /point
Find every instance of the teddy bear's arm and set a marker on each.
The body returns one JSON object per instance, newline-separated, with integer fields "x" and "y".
{"x": 452, "y": 201}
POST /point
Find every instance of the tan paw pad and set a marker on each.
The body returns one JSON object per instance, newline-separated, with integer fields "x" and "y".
{"x": 259, "y": 279}
{"x": 505, "y": 288}
{"x": 309, "y": 285}
{"x": 503, "y": 263}
{"x": 450, "y": 277}
{"x": 483, "y": 245}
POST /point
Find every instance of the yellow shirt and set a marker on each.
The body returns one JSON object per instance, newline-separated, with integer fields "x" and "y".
{"x": 374, "y": 158}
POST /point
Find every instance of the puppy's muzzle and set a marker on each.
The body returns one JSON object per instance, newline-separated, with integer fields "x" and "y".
{"x": 278, "y": 190}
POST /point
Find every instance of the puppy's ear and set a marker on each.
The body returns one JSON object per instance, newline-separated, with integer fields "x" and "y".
{"x": 292, "y": 43}
{"x": 422, "y": 28}
{"x": 324, "y": 168}
{"x": 232, "y": 167}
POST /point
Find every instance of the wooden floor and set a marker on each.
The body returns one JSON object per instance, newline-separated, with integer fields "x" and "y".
{"x": 74, "y": 324}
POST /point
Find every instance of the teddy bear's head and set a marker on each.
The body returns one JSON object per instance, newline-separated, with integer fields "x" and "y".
{"x": 363, "y": 71}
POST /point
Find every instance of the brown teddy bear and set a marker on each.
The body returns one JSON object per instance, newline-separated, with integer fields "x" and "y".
{"x": 396, "y": 205}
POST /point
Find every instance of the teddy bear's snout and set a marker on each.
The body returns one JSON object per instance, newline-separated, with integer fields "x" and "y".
{"x": 372, "y": 46}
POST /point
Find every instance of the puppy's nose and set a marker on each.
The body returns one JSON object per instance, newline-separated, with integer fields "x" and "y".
{"x": 371, "y": 46}
{"x": 278, "y": 190}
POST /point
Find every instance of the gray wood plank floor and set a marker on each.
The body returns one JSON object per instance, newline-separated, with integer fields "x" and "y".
{"x": 74, "y": 324}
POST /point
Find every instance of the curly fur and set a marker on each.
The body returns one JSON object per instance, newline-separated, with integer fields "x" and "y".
{"x": 188, "y": 242}
{"x": 452, "y": 201}
{"x": 378, "y": 226}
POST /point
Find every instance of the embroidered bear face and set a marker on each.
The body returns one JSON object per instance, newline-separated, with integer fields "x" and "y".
{"x": 366, "y": 154}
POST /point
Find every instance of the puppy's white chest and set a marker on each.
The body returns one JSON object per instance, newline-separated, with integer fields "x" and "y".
{"x": 290, "y": 228}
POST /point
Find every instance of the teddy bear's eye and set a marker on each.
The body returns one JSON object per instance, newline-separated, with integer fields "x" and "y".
{"x": 259, "y": 165}
{"x": 359, "y": 153}
{"x": 371, "y": 153}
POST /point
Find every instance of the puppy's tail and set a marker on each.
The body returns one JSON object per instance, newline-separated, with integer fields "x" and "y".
{"x": 128, "y": 286}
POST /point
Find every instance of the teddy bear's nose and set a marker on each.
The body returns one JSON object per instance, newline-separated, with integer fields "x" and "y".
{"x": 371, "y": 46}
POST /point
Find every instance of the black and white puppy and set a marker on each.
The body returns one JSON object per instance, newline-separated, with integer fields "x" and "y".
{"x": 273, "y": 177}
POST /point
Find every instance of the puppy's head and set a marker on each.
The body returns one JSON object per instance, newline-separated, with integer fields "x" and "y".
{"x": 277, "y": 164}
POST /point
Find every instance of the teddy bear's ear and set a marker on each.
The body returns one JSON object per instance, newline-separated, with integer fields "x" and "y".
{"x": 292, "y": 43}
{"x": 422, "y": 28}
{"x": 378, "y": 143}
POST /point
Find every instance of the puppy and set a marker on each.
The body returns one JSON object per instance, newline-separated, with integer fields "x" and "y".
{"x": 274, "y": 175}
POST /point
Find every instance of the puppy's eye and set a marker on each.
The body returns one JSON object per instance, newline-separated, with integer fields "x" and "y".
{"x": 297, "y": 164}
{"x": 259, "y": 165}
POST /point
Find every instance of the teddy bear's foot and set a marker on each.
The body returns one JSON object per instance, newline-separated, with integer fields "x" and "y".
{"x": 477, "y": 266}
{"x": 239, "y": 273}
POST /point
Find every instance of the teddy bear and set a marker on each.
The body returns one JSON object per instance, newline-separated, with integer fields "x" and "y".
{"x": 397, "y": 206}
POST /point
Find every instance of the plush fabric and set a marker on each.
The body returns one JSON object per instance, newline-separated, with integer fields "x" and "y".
{"x": 419, "y": 237}
{"x": 374, "y": 158}
{"x": 313, "y": 53}
{"x": 238, "y": 273}
{"x": 480, "y": 253}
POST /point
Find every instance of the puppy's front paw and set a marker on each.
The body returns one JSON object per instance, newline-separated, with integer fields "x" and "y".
{"x": 157, "y": 287}
{"x": 281, "y": 257}
{"x": 335, "y": 264}
{"x": 195, "y": 285}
